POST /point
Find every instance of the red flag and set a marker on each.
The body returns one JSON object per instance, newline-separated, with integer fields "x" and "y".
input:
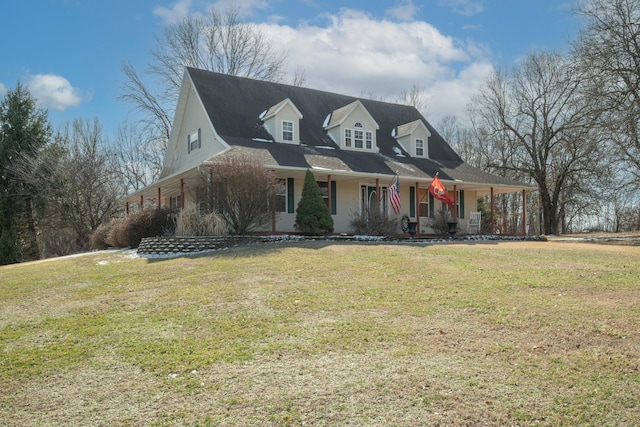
{"x": 439, "y": 192}
{"x": 394, "y": 197}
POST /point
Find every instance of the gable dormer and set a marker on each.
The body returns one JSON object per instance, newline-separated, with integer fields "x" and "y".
{"x": 282, "y": 121}
{"x": 352, "y": 127}
{"x": 414, "y": 138}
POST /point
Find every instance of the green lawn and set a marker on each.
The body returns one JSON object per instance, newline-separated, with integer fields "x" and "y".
{"x": 326, "y": 334}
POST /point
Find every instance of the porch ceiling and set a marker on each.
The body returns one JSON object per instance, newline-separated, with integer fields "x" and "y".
{"x": 169, "y": 186}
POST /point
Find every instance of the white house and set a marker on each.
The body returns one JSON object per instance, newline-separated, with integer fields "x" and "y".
{"x": 355, "y": 148}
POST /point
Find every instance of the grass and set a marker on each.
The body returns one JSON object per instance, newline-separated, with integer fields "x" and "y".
{"x": 325, "y": 334}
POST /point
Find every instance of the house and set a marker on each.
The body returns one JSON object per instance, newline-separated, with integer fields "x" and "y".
{"x": 355, "y": 148}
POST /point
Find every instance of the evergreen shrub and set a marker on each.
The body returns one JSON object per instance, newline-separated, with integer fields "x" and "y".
{"x": 312, "y": 215}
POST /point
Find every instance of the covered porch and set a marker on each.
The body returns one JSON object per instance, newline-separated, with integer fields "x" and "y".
{"x": 347, "y": 192}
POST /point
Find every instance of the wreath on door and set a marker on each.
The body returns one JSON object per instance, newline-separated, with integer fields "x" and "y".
{"x": 404, "y": 223}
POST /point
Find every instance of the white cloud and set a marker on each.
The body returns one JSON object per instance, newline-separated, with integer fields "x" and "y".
{"x": 245, "y": 7}
{"x": 358, "y": 55}
{"x": 3, "y": 89}
{"x": 464, "y": 7}
{"x": 451, "y": 96}
{"x": 182, "y": 8}
{"x": 175, "y": 13}
{"x": 405, "y": 11}
{"x": 53, "y": 91}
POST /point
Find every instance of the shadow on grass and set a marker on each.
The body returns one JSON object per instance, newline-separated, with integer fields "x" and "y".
{"x": 257, "y": 249}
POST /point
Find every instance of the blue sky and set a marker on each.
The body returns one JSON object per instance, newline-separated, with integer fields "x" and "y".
{"x": 70, "y": 52}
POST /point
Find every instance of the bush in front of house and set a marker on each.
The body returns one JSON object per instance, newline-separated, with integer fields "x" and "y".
{"x": 241, "y": 191}
{"x": 98, "y": 239}
{"x": 372, "y": 222}
{"x": 312, "y": 215}
{"x": 192, "y": 222}
{"x": 129, "y": 231}
{"x": 439, "y": 222}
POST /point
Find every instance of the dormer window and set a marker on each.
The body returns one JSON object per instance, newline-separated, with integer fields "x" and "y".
{"x": 413, "y": 138}
{"x": 419, "y": 147}
{"x": 287, "y": 131}
{"x": 282, "y": 121}
{"x": 352, "y": 127}
{"x": 358, "y": 140}
{"x": 347, "y": 138}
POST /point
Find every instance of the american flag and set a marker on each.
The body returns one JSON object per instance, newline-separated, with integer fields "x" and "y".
{"x": 394, "y": 197}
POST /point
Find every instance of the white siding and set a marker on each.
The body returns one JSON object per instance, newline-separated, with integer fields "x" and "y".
{"x": 194, "y": 118}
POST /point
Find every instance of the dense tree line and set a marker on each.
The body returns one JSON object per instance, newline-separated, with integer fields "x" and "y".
{"x": 566, "y": 123}
{"x": 55, "y": 187}
{"x": 24, "y": 130}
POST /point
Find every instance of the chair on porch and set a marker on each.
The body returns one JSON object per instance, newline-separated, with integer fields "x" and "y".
{"x": 473, "y": 225}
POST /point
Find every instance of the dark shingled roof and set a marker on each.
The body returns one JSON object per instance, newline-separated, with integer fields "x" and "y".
{"x": 234, "y": 105}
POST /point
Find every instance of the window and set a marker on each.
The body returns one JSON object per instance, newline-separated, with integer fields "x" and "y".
{"x": 460, "y": 204}
{"x": 287, "y": 131}
{"x": 174, "y": 203}
{"x": 324, "y": 190}
{"x": 281, "y": 195}
{"x": 423, "y": 203}
{"x": 357, "y": 139}
{"x": 347, "y": 137}
{"x": 194, "y": 141}
{"x": 368, "y": 140}
{"x": 420, "y": 147}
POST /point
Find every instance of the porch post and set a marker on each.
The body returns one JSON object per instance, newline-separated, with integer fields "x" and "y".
{"x": 378, "y": 193}
{"x": 181, "y": 193}
{"x": 127, "y": 208}
{"x": 455, "y": 201}
{"x": 141, "y": 202}
{"x": 524, "y": 212}
{"x": 417, "y": 207}
{"x": 329, "y": 193}
{"x": 273, "y": 213}
{"x": 159, "y": 204}
{"x": 493, "y": 231}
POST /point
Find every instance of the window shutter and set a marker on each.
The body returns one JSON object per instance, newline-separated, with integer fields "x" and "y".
{"x": 461, "y": 201}
{"x": 412, "y": 201}
{"x": 333, "y": 198}
{"x": 290, "y": 199}
{"x": 199, "y": 139}
{"x": 189, "y": 143}
{"x": 432, "y": 211}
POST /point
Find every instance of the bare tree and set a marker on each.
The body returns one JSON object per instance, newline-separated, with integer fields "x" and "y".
{"x": 241, "y": 190}
{"x": 463, "y": 140}
{"x": 220, "y": 41}
{"x": 540, "y": 125}
{"x": 416, "y": 97}
{"x": 75, "y": 177}
{"x": 139, "y": 161}
{"x": 609, "y": 50}
{"x": 299, "y": 77}
{"x": 155, "y": 115}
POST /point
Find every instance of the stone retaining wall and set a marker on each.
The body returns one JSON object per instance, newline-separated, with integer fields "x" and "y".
{"x": 169, "y": 245}
{"x": 174, "y": 245}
